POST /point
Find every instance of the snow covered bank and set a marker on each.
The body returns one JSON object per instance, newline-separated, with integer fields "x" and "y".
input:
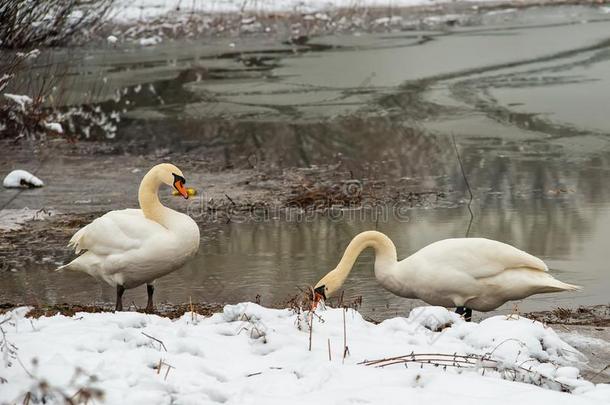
{"x": 126, "y": 10}
{"x": 251, "y": 354}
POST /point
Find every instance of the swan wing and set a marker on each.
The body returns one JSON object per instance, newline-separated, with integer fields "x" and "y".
{"x": 479, "y": 257}
{"x": 115, "y": 232}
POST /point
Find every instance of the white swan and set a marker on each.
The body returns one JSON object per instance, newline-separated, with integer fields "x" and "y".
{"x": 467, "y": 273}
{"x": 130, "y": 247}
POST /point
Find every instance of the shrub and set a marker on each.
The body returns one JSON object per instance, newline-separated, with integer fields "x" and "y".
{"x": 32, "y": 117}
{"x": 28, "y": 23}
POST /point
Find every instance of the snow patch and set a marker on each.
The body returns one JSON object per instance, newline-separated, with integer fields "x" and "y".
{"x": 21, "y": 179}
{"x": 21, "y": 100}
{"x": 130, "y": 10}
{"x": 150, "y": 41}
{"x": 54, "y": 126}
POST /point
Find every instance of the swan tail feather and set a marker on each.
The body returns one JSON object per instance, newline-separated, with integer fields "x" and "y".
{"x": 571, "y": 287}
{"x": 74, "y": 265}
{"x": 555, "y": 285}
{"x": 64, "y": 267}
{"x": 75, "y": 241}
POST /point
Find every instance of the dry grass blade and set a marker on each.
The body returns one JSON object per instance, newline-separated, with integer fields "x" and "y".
{"x": 155, "y": 339}
{"x": 345, "y": 348}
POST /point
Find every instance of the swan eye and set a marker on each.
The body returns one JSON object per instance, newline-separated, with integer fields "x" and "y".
{"x": 179, "y": 178}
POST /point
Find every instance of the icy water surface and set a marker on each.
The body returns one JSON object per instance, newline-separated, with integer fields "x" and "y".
{"x": 524, "y": 93}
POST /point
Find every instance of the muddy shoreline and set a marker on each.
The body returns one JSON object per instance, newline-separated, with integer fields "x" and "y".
{"x": 597, "y": 316}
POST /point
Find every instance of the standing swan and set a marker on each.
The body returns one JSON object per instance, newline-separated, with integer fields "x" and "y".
{"x": 467, "y": 273}
{"x": 130, "y": 247}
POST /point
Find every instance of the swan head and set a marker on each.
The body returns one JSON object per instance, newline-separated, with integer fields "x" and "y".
{"x": 173, "y": 177}
{"x": 328, "y": 286}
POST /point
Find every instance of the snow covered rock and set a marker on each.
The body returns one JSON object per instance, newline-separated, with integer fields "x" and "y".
{"x": 21, "y": 179}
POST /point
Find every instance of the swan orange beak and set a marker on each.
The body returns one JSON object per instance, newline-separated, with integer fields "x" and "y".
{"x": 179, "y": 185}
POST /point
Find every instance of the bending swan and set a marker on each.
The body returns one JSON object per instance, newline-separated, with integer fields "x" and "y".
{"x": 467, "y": 273}
{"x": 130, "y": 247}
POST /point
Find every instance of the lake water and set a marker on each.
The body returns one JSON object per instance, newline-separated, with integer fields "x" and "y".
{"x": 524, "y": 93}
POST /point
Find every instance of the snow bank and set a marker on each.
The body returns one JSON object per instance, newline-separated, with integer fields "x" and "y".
{"x": 127, "y": 10}
{"x": 249, "y": 354}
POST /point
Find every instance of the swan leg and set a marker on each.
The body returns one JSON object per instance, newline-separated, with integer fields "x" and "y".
{"x": 465, "y": 312}
{"x": 150, "y": 289}
{"x": 119, "y": 297}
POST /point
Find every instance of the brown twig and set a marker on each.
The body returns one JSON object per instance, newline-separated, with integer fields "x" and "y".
{"x": 169, "y": 367}
{"x": 345, "y": 348}
{"x": 253, "y": 374}
{"x": 482, "y": 362}
{"x": 310, "y": 316}
{"x": 155, "y": 339}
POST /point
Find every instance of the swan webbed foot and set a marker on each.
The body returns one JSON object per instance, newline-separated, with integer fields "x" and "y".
{"x": 150, "y": 289}
{"x": 119, "y": 297}
{"x": 465, "y": 312}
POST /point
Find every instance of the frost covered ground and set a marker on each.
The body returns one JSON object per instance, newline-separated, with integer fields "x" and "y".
{"x": 250, "y": 354}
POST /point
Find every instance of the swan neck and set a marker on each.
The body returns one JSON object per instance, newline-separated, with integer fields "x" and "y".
{"x": 149, "y": 199}
{"x": 385, "y": 251}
